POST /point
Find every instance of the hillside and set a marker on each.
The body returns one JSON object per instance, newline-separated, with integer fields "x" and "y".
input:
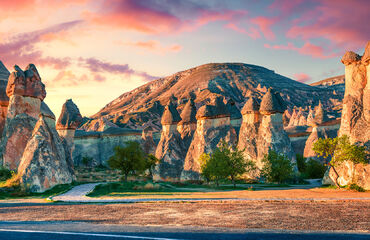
{"x": 238, "y": 81}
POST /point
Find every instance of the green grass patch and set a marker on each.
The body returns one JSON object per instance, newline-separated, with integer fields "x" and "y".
{"x": 134, "y": 187}
{"x": 17, "y": 192}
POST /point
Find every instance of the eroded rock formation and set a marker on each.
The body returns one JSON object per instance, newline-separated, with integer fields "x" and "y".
{"x": 186, "y": 127}
{"x": 317, "y": 132}
{"x": 356, "y": 103}
{"x": 170, "y": 150}
{"x": 44, "y": 161}
{"x": 248, "y": 133}
{"x": 213, "y": 126}
{"x": 26, "y": 92}
{"x": 271, "y": 133}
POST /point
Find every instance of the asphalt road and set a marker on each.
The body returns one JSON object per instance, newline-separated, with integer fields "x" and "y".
{"x": 82, "y": 230}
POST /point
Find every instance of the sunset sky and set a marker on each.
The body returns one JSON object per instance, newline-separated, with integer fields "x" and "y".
{"x": 93, "y": 50}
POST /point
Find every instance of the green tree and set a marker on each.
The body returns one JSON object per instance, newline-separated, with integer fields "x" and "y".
{"x": 86, "y": 160}
{"x": 130, "y": 159}
{"x": 339, "y": 149}
{"x": 224, "y": 162}
{"x": 277, "y": 167}
{"x": 150, "y": 162}
{"x": 301, "y": 163}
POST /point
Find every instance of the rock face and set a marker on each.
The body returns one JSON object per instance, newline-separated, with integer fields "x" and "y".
{"x": 99, "y": 145}
{"x": 236, "y": 81}
{"x": 170, "y": 150}
{"x": 26, "y": 91}
{"x": 97, "y": 125}
{"x": 148, "y": 143}
{"x": 316, "y": 133}
{"x": 4, "y": 99}
{"x": 349, "y": 173}
{"x": 213, "y": 126}
{"x": 248, "y": 134}
{"x": 44, "y": 161}
{"x": 186, "y": 127}
{"x": 271, "y": 133}
{"x": 69, "y": 119}
{"x": 356, "y": 103}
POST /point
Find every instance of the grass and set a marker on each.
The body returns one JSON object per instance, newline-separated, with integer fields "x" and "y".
{"x": 136, "y": 188}
{"x": 17, "y": 192}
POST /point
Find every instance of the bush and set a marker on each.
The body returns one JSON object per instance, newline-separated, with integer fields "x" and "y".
{"x": 5, "y": 173}
{"x": 87, "y": 161}
{"x": 314, "y": 169}
{"x": 277, "y": 167}
{"x": 356, "y": 187}
{"x": 301, "y": 163}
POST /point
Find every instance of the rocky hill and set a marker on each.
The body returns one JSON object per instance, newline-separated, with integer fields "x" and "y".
{"x": 337, "y": 86}
{"x": 238, "y": 81}
{"x": 4, "y": 73}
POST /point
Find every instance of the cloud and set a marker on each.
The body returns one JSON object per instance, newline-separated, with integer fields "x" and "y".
{"x": 307, "y": 49}
{"x": 21, "y": 49}
{"x": 253, "y": 32}
{"x": 98, "y": 66}
{"x": 302, "y": 77}
{"x": 154, "y": 46}
{"x": 265, "y": 24}
{"x": 158, "y": 17}
{"x": 343, "y": 23}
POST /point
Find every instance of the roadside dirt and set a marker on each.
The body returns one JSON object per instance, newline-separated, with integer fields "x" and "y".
{"x": 293, "y": 215}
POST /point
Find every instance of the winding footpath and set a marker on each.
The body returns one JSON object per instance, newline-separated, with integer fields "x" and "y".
{"x": 78, "y": 195}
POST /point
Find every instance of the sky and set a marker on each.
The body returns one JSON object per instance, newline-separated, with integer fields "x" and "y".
{"x": 94, "y": 50}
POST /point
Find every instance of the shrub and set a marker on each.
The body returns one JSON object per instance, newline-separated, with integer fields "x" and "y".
{"x": 224, "y": 162}
{"x": 355, "y": 187}
{"x": 87, "y": 161}
{"x": 130, "y": 159}
{"x": 277, "y": 167}
{"x": 314, "y": 169}
{"x": 301, "y": 163}
{"x": 5, "y": 173}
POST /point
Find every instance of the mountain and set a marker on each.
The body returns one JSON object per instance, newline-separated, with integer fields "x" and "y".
{"x": 238, "y": 81}
{"x": 337, "y": 86}
{"x": 4, "y": 73}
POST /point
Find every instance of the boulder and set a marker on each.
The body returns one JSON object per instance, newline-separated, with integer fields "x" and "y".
{"x": 43, "y": 163}
{"x": 349, "y": 173}
{"x": 26, "y": 83}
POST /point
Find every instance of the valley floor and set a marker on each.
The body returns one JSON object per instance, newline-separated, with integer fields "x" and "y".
{"x": 317, "y": 209}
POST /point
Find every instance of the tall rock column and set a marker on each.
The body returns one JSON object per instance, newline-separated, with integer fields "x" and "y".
{"x": 213, "y": 125}
{"x": 355, "y": 113}
{"x": 26, "y": 92}
{"x": 188, "y": 123}
{"x": 249, "y": 130}
{"x": 170, "y": 150}
{"x": 68, "y": 121}
{"x": 271, "y": 134}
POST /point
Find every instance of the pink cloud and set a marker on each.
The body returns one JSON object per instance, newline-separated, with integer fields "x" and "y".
{"x": 153, "y": 46}
{"x": 97, "y": 66}
{"x": 307, "y": 49}
{"x": 302, "y": 77}
{"x": 22, "y": 48}
{"x": 265, "y": 24}
{"x": 343, "y": 23}
{"x": 153, "y": 17}
{"x": 253, "y": 33}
